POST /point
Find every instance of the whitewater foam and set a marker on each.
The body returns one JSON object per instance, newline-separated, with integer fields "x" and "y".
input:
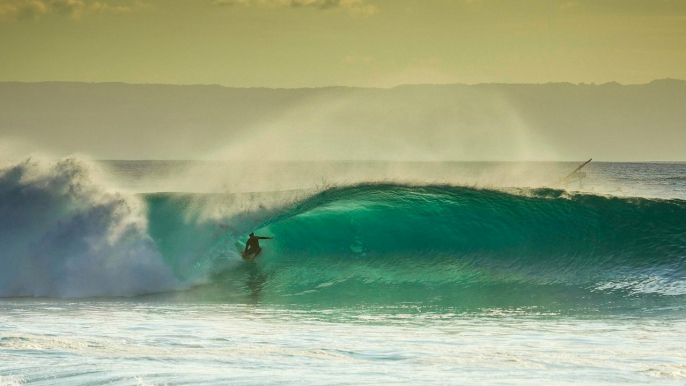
{"x": 65, "y": 233}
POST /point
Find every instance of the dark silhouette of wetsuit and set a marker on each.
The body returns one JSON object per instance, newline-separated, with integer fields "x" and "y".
{"x": 252, "y": 246}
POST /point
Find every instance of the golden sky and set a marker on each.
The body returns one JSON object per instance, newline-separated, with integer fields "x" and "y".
{"x": 312, "y": 43}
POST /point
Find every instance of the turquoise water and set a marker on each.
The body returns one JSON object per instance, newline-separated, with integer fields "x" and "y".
{"x": 442, "y": 245}
{"x": 107, "y": 279}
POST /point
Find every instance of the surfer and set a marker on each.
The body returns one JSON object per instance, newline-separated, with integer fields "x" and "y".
{"x": 252, "y": 246}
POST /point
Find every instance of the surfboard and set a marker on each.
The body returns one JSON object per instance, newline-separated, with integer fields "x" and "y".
{"x": 250, "y": 257}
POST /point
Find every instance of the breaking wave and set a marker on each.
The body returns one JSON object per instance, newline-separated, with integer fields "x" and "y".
{"x": 65, "y": 235}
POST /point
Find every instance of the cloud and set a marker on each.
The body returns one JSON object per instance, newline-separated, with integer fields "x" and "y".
{"x": 34, "y": 9}
{"x": 354, "y": 7}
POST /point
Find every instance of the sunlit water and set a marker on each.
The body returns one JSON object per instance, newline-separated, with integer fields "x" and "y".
{"x": 110, "y": 342}
{"x": 378, "y": 328}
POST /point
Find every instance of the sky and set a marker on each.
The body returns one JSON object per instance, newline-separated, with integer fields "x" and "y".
{"x": 366, "y": 43}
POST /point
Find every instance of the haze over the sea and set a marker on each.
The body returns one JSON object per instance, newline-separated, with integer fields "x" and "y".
{"x": 520, "y": 80}
{"x": 485, "y": 122}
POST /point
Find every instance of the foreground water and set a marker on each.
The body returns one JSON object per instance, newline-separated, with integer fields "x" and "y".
{"x": 146, "y": 342}
{"x": 462, "y": 274}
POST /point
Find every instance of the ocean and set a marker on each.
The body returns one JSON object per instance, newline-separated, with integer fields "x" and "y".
{"x": 129, "y": 273}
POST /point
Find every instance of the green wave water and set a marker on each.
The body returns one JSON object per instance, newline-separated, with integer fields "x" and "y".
{"x": 446, "y": 245}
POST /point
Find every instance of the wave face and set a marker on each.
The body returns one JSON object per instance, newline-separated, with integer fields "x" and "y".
{"x": 446, "y": 244}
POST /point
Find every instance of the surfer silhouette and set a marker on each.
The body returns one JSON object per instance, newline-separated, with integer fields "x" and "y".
{"x": 252, "y": 246}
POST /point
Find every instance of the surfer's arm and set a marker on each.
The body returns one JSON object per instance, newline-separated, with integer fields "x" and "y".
{"x": 264, "y": 238}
